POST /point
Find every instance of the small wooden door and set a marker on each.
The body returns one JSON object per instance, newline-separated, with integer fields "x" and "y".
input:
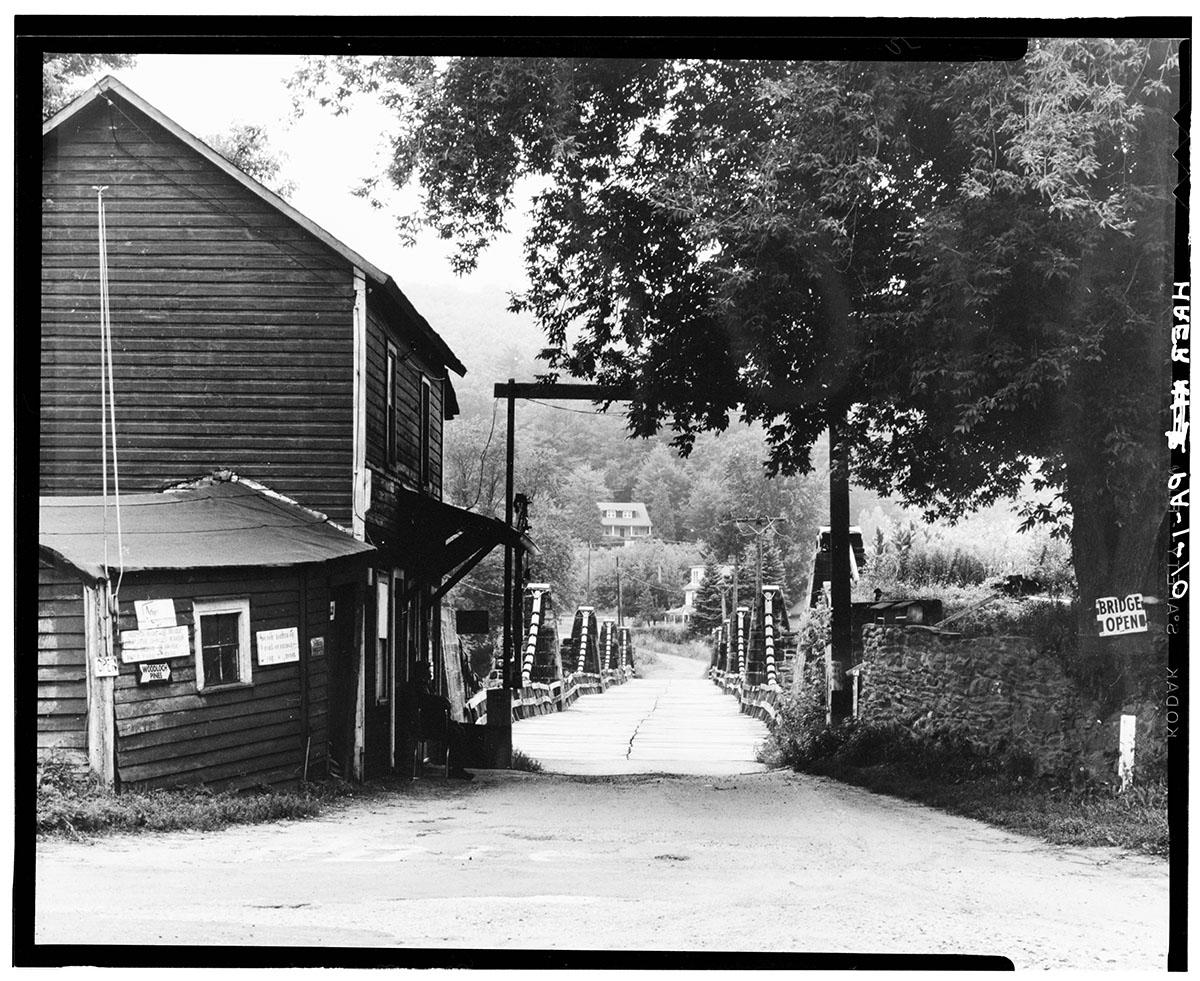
{"x": 379, "y": 690}
{"x": 343, "y": 679}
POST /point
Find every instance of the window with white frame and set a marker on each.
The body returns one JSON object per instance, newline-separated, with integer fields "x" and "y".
{"x": 222, "y": 636}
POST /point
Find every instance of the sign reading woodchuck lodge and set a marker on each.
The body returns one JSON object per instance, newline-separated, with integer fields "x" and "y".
{"x": 1121, "y": 615}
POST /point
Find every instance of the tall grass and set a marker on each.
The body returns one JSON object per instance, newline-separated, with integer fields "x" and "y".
{"x": 671, "y": 640}
{"x": 945, "y": 769}
{"x": 69, "y": 803}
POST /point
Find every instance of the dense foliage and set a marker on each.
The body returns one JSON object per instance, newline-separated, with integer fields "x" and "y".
{"x": 966, "y": 262}
{"x": 247, "y": 147}
{"x": 62, "y": 73}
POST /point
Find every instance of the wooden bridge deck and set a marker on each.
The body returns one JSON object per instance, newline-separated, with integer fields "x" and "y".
{"x": 676, "y": 721}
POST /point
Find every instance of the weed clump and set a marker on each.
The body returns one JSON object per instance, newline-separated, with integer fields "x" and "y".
{"x": 943, "y": 767}
{"x": 522, "y": 761}
{"x": 72, "y": 803}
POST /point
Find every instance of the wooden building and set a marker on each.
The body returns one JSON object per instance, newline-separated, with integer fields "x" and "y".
{"x": 247, "y": 338}
{"x": 206, "y": 641}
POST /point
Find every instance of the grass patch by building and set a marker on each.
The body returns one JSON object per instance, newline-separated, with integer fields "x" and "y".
{"x": 74, "y": 805}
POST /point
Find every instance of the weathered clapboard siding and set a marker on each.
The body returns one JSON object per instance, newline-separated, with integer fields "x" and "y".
{"x": 62, "y": 668}
{"x": 232, "y": 324}
{"x": 171, "y": 733}
{"x": 319, "y": 625}
{"x": 410, "y": 369}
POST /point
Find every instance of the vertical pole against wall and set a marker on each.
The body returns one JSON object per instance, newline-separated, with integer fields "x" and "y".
{"x": 839, "y": 547}
{"x": 506, "y": 652}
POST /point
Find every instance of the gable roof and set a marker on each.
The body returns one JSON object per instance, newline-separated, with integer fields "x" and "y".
{"x": 219, "y": 525}
{"x": 640, "y": 515}
{"x": 109, "y": 86}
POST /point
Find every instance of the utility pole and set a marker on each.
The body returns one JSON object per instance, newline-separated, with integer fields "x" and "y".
{"x": 620, "y": 616}
{"x": 736, "y": 565}
{"x": 506, "y": 652}
{"x": 756, "y": 526}
{"x": 589, "y": 573}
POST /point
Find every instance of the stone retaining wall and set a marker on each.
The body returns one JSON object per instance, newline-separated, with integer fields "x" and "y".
{"x": 1000, "y": 692}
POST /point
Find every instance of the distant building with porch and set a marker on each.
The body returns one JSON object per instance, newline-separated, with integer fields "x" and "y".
{"x": 624, "y": 520}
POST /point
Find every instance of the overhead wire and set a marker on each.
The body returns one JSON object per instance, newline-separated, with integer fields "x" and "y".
{"x": 563, "y": 408}
{"x": 483, "y": 456}
{"x": 108, "y": 412}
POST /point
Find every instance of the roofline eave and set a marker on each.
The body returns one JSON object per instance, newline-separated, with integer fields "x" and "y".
{"x": 382, "y": 279}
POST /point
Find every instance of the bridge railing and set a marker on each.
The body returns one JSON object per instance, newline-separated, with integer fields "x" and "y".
{"x": 754, "y": 652}
{"x": 758, "y": 700}
{"x": 553, "y": 677}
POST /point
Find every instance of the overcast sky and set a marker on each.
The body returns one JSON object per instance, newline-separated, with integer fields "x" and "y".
{"x": 326, "y": 157}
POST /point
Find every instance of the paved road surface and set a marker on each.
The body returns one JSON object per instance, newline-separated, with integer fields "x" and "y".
{"x": 771, "y": 861}
{"x": 676, "y": 721}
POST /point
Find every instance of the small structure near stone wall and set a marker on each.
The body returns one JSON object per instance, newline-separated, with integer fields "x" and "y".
{"x": 1001, "y": 692}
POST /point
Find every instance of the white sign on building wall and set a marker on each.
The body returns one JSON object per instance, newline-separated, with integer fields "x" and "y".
{"x": 155, "y": 613}
{"x": 278, "y": 646}
{"x": 157, "y": 644}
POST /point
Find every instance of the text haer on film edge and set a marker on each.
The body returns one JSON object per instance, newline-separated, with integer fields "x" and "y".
{"x": 278, "y": 646}
{"x": 1121, "y": 615}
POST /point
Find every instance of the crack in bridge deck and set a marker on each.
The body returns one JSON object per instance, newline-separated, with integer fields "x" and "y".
{"x": 676, "y": 721}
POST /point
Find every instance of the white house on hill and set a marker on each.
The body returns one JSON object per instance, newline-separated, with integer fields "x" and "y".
{"x": 624, "y": 520}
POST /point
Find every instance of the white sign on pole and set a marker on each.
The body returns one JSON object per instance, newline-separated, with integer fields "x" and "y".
{"x": 107, "y": 665}
{"x": 278, "y": 646}
{"x": 155, "y": 613}
{"x": 1121, "y": 615}
{"x": 157, "y": 644}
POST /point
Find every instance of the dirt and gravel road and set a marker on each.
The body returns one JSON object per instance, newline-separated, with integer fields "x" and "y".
{"x": 764, "y": 861}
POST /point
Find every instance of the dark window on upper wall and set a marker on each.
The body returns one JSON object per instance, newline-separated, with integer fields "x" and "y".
{"x": 391, "y": 406}
{"x": 423, "y": 415}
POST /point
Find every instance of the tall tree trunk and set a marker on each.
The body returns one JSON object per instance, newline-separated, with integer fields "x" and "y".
{"x": 1115, "y": 555}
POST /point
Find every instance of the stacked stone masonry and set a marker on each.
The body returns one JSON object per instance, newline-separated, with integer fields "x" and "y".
{"x": 1001, "y": 692}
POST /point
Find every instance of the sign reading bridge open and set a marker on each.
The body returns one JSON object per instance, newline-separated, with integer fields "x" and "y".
{"x": 1121, "y": 615}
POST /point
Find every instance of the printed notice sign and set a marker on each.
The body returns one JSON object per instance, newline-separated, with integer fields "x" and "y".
{"x": 278, "y": 646}
{"x": 1121, "y": 615}
{"x": 157, "y": 644}
{"x": 155, "y": 613}
{"x": 316, "y": 646}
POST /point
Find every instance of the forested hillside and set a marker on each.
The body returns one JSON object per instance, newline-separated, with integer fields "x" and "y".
{"x": 569, "y": 456}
